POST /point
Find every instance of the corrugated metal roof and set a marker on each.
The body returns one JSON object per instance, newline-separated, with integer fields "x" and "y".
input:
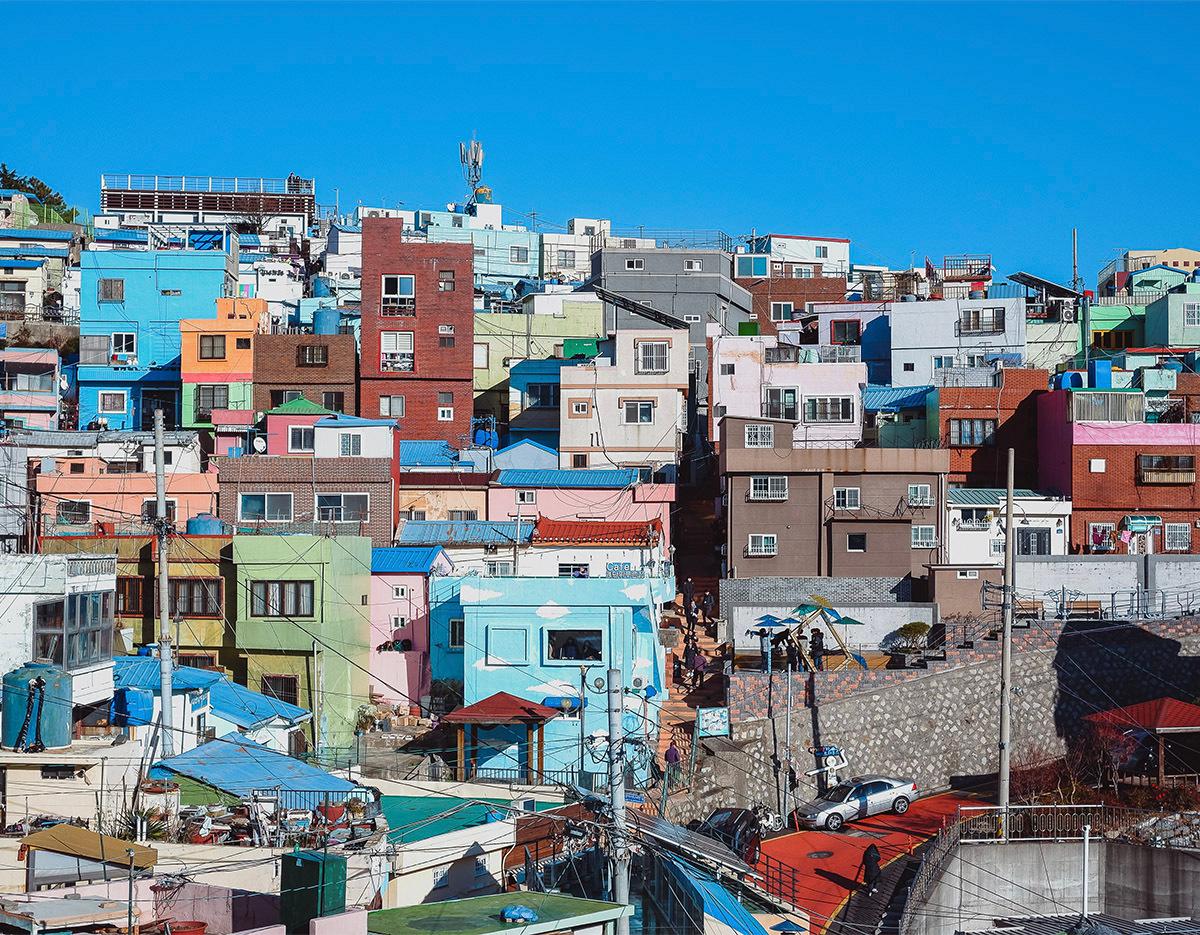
{"x": 348, "y": 228}
{"x": 988, "y": 496}
{"x": 62, "y": 438}
{"x": 30, "y": 196}
{"x": 1162, "y": 714}
{"x": 400, "y": 560}
{"x": 643, "y": 533}
{"x": 477, "y": 532}
{"x": 580, "y": 478}
{"x": 427, "y": 454}
{"x": 80, "y": 842}
{"x": 340, "y": 419}
{"x": 249, "y": 240}
{"x": 718, "y": 902}
{"x": 880, "y": 398}
{"x": 58, "y": 252}
{"x": 20, "y": 264}
{"x": 34, "y": 233}
{"x": 238, "y": 765}
{"x": 526, "y": 441}
{"x": 502, "y": 708}
{"x": 298, "y": 407}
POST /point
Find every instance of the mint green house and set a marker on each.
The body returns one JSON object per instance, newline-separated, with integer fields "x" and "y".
{"x": 1111, "y": 329}
{"x": 1174, "y": 320}
{"x": 303, "y": 625}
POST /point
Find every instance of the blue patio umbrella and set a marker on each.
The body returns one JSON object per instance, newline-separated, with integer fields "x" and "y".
{"x": 787, "y": 925}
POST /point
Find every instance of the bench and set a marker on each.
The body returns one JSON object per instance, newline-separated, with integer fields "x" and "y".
{"x": 1083, "y": 609}
{"x": 1025, "y": 610}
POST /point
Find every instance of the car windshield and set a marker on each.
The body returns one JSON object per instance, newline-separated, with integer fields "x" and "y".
{"x": 839, "y": 793}
{"x": 717, "y": 819}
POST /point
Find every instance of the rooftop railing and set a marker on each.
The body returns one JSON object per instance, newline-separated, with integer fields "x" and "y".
{"x": 207, "y": 183}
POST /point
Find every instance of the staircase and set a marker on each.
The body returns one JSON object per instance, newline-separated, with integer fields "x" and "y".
{"x": 880, "y": 913}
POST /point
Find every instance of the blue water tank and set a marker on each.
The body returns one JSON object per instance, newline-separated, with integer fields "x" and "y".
{"x": 326, "y": 321}
{"x": 131, "y": 707}
{"x": 48, "y": 707}
{"x": 493, "y": 439}
{"x": 1176, "y": 365}
{"x": 975, "y": 294}
{"x": 205, "y": 524}
{"x": 1100, "y": 374}
{"x": 479, "y": 437}
{"x": 235, "y": 452}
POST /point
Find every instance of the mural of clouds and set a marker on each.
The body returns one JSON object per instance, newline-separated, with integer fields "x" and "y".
{"x": 556, "y": 687}
{"x": 636, "y": 592}
{"x": 552, "y": 610}
{"x": 472, "y": 593}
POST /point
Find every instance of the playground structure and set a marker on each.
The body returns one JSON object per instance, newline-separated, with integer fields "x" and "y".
{"x": 806, "y": 617}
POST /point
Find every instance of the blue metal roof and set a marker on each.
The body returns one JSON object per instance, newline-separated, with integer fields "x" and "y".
{"x": 340, "y": 420}
{"x": 476, "y": 532}
{"x": 404, "y": 560}
{"x": 881, "y": 398}
{"x": 427, "y": 454}
{"x": 719, "y": 904}
{"x": 21, "y": 264}
{"x": 579, "y": 478}
{"x": 121, "y": 235}
{"x": 527, "y": 441}
{"x": 143, "y": 672}
{"x": 249, "y": 240}
{"x": 34, "y": 233}
{"x": 61, "y": 252}
{"x": 348, "y": 228}
{"x": 238, "y": 765}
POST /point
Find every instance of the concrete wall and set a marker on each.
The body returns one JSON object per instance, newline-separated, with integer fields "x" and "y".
{"x": 878, "y": 621}
{"x": 1094, "y": 574}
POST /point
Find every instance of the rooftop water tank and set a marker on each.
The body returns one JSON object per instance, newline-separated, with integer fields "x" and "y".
{"x": 976, "y": 294}
{"x": 908, "y": 297}
{"x": 1100, "y": 374}
{"x": 1176, "y": 365}
{"x": 37, "y": 704}
{"x": 326, "y": 321}
{"x": 205, "y": 524}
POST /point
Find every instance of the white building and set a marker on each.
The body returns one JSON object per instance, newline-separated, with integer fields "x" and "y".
{"x": 626, "y": 407}
{"x": 182, "y": 448}
{"x": 801, "y": 256}
{"x": 975, "y": 525}
{"x": 569, "y": 255}
{"x": 278, "y": 282}
{"x": 343, "y": 436}
{"x": 343, "y": 250}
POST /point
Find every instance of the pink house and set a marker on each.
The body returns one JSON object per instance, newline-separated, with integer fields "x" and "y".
{"x": 290, "y": 427}
{"x": 581, "y": 494}
{"x": 233, "y": 429}
{"x": 29, "y": 391}
{"x": 399, "y": 661}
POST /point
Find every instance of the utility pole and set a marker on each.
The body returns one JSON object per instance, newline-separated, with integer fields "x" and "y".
{"x": 616, "y": 797}
{"x": 787, "y": 748}
{"x": 582, "y": 730}
{"x": 1075, "y": 259}
{"x": 517, "y": 541}
{"x": 1006, "y": 650}
{"x": 129, "y": 911}
{"x": 165, "y": 661}
{"x": 1087, "y": 835}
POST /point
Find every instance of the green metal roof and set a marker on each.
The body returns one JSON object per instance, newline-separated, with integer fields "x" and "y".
{"x": 987, "y": 496}
{"x": 480, "y": 915}
{"x": 299, "y": 407}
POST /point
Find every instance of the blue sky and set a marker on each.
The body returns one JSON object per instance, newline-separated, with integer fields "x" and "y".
{"x": 930, "y": 129}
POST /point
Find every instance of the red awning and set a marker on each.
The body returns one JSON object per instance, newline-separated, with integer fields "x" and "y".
{"x": 502, "y": 708}
{"x": 593, "y": 532}
{"x": 1163, "y": 715}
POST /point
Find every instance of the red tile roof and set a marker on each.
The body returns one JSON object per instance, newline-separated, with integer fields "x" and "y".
{"x": 502, "y": 708}
{"x": 1162, "y": 714}
{"x": 556, "y": 531}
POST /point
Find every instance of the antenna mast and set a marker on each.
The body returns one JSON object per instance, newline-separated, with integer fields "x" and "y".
{"x": 471, "y": 157}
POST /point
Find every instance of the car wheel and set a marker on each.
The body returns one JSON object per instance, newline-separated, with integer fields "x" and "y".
{"x": 900, "y": 806}
{"x": 834, "y": 822}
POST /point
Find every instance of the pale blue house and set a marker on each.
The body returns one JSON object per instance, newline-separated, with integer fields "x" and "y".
{"x": 131, "y": 303}
{"x": 502, "y": 256}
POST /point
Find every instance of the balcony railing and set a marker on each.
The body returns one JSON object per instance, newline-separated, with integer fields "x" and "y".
{"x": 397, "y": 363}
{"x": 1157, "y": 476}
{"x": 1128, "y": 298}
{"x": 206, "y": 183}
{"x": 974, "y": 525}
{"x": 839, "y": 353}
{"x": 393, "y": 307}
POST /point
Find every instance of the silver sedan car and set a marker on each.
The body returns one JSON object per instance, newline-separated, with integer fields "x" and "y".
{"x": 859, "y": 797}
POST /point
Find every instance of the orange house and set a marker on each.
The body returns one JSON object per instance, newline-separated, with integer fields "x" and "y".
{"x": 216, "y": 359}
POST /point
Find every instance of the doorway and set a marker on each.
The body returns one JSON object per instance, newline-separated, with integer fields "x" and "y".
{"x": 167, "y": 401}
{"x": 1033, "y": 541}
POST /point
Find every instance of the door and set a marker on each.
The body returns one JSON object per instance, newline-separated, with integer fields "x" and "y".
{"x": 859, "y": 800}
{"x": 1141, "y": 543}
{"x": 167, "y": 401}
{"x": 879, "y": 797}
{"x": 1033, "y": 541}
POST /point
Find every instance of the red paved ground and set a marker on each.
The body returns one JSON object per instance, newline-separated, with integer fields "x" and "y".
{"x": 824, "y": 883}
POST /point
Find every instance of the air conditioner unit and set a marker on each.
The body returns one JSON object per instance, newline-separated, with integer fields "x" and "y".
{"x": 445, "y": 329}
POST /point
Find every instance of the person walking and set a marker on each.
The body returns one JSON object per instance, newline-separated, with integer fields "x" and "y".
{"x": 689, "y": 656}
{"x": 699, "y": 664}
{"x": 708, "y": 605}
{"x": 816, "y": 645}
{"x": 672, "y": 756}
{"x": 689, "y": 591}
{"x": 690, "y": 612}
{"x": 764, "y": 647}
{"x": 870, "y": 869}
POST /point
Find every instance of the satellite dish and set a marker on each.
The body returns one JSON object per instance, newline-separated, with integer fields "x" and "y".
{"x": 259, "y": 444}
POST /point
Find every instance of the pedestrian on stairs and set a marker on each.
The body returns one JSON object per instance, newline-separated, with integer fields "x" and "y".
{"x": 699, "y": 664}
{"x": 870, "y": 869}
{"x": 708, "y": 606}
{"x": 689, "y": 591}
{"x": 672, "y": 757}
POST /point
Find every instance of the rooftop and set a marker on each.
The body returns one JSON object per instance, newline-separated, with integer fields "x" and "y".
{"x": 555, "y": 531}
{"x": 990, "y": 496}
{"x": 341, "y": 420}
{"x": 120, "y": 235}
{"x": 1162, "y": 715}
{"x": 299, "y": 407}
{"x": 502, "y": 708}
{"x": 476, "y": 532}
{"x": 580, "y": 478}
{"x": 480, "y": 915}
{"x": 420, "y": 817}
{"x": 427, "y": 454}
{"x": 400, "y": 560}
{"x": 880, "y": 398}
{"x": 34, "y": 233}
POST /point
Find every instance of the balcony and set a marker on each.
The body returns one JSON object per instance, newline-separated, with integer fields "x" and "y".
{"x": 974, "y": 525}
{"x": 398, "y": 307}
{"x": 397, "y": 362}
{"x": 839, "y": 353}
{"x": 1160, "y": 476}
{"x": 981, "y": 321}
{"x": 967, "y": 267}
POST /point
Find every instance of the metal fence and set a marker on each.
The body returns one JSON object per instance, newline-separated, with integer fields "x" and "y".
{"x": 515, "y": 776}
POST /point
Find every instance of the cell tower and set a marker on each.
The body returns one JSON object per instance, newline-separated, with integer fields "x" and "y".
{"x": 471, "y": 157}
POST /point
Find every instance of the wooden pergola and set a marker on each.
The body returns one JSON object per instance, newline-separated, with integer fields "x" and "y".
{"x": 501, "y": 710}
{"x": 1160, "y": 718}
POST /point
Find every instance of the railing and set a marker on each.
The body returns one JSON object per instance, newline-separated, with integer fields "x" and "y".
{"x": 974, "y": 525}
{"x": 397, "y": 363}
{"x": 839, "y": 353}
{"x": 515, "y": 776}
{"x": 1131, "y": 298}
{"x": 303, "y": 527}
{"x": 933, "y": 862}
{"x": 397, "y": 307}
{"x": 1150, "y": 476}
{"x": 207, "y": 183}
{"x": 781, "y": 882}
{"x": 35, "y": 313}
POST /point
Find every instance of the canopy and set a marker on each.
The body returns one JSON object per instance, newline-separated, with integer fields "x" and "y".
{"x": 1141, "y": 522}
{"x": 79, "y": 842}
{"x": 1160, "y": 716}
{"x": 502, "y": 708}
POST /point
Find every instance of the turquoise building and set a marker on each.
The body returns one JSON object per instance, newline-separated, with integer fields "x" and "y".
{"x": 502, "y": 255}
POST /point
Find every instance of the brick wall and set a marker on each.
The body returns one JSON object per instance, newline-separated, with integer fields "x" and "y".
{"x": 277, "y": 367}
{"x": 797, "y": 291}
{"x": 442, "y": 324}
{"x": 304, "y": 479}
{"x": 1013, "y": 405}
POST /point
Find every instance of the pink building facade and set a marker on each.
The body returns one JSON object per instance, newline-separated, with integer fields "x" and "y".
{"x": 29, "y": 387}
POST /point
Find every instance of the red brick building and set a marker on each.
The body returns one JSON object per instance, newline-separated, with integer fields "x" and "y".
{"x": 322, "y": 368}
{"x": 980, "y": 423}
{"x": 418, "y": 333}
{"x": 780, "y": 297}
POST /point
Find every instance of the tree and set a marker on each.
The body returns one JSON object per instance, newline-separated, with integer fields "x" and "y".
{"x": 31, "y": 184}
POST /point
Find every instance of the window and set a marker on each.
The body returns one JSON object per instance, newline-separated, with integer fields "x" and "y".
{"x": 924, "y": 537}
{"x": 445, "y": 280}
{"x": 780, "y": 402}
{"x": 579, "y": 461}
{"x": 124, "y": 466}
{"x": 300, "y": 438}
{"x": 1166, "y": 468}
{"x": 760, "y": 435}
{"x": 418, "y": 515}
{"x": 526, "y": 497}
{"x": 1112, "y": 340}
{"x": 397, "y": 296}
{"x": 968, "y": 574}
{"x": 396, "y": 352}
{"x": 829, "y": 409}
{"x": 498, "y": 569}
{"x": 399, "y": 592}
{"x": 943, "y": 362}
{"x": 572, "y": 570}
{"x": 279, "y": 397}
{"x": 391, "y": 406}
{"x": 441, "y": 877}
{"x": 457, "y": 632}
{"x": 350, "y": 444}
{"x": 75, "y": 633}
{"x": 129, "y": 596}
{"x": 124, "y": 342}
{"x": 822, "y": 252}
{"x": 1097, "y": 465}
{"x": 542, "y": 396}
{"x": 972, "y": 432}
{"x": 633, "y": 265}
{"x": 566, "y": 258}
{"x": 769, "y": 487}
{"x": 195, "y": 597}
{"x": 1178, "y": 537}
{"x": 575, "y": 645}
{"x": 845, "y": 332}
{"x": 1100, "y": 536}
{"x": 285, "y": 688}
{"x": 212, "y": 347}
{"x": 981, "y": 321}
{"x": 464, "y": 516}
{"x": 313, "y": 355}
{"x": 150, "y": 511}
{"x": 281, "y": 598}
{"x": 480, "y": 360}
{"x": 446, "y": 399}
{"x": 1191, "y": 314}
{"x": 693, "y": 266}
{"x": 445, "y": 414}
{"x": 856, "y": 542}
{"x": 343, "y": 507}
{"x": 653, "y": 356}
{"x": 334, "y": 400}
{"x": 727, "y": 370}
{"x": 242, "y": 344}
{"x": 782, "y": 311}
{"x": 761, "y": 544}
{"x": 518, "y": 254}
{"x": 974, "y": 518}
{"x": 112, "y": 402}
{"x": 481, "y": 867}
{"x": 446, "y": 342}
{"x": 197, "y": 660}
{"x": 77, "y": 467}
{"x": 847, "y": 498}
{"x": 919, "y": 495}
{"x": 909, "y": 367}
{"x": 781, "y": 354}
{"x": 111, "y": 290}
{"x": 751, "y": 266}
{"x": 269, "y": 507}
{"x": 638, "y": 411}
{"x": 692, "y": 319}
{"x": 209, "y": 398}
{"x": 73, "y": 512}
{"x": 997, "y": 547}
{"x": 581, "y": 407}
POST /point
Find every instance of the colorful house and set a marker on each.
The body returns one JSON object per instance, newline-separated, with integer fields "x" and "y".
{"x": 290, "y": 427}
{"x": 29, "y": 387}
{"x": 216, "y": 360}
{"x": 400, "y": 623}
